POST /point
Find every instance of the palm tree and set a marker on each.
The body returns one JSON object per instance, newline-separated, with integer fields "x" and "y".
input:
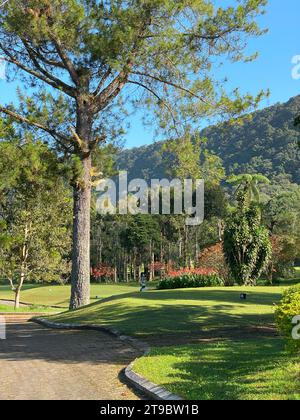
{"x": 249, "y": 185}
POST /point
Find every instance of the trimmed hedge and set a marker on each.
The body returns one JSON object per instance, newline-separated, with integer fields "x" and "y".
{"x": 288, "y": 308}
{"x": 188, "y": 281}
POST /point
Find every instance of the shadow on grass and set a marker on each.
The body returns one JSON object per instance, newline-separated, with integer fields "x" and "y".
{"x": 228, "y": 371}
{"x": 167, "y": 321}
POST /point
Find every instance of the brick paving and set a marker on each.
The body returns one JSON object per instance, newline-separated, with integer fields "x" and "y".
{"x": 43, "y": 364}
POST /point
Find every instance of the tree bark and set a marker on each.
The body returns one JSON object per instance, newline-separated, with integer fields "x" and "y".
{"x": 17, "y": 295}
{"x": 80, "y": 291}
{"x": 25, "y": 253}
{"x": 81, "y": 270}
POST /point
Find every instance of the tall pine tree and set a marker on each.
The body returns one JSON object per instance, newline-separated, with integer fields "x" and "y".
{"x": 76, "y": 58}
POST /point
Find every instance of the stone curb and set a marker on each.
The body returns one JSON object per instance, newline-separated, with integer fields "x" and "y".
{"x": 148, "y": 388}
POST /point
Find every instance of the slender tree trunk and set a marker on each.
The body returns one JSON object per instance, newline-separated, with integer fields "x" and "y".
{"x": 18, "y": 290}
{"x": 23, "y": 267}
{"x": 80, "y": 291}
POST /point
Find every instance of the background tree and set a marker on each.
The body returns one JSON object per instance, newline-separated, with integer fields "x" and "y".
{"x": 35, "y": 216}
{"x": 247, "y": 245}
{"x": 78, "y": 56}
{"x": 249, "y": 185}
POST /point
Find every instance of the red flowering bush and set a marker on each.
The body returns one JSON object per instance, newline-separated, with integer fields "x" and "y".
{"x": 213, "y": 258}
{"x": 191, "y": 271}
{"x": 103, "y": 271}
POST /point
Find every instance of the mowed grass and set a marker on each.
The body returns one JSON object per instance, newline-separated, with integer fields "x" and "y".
{"x": 240, "y": 370}
{"x": 55, "y": 295}
{"x": 252, "y": 368}
{"x": 27, "y": 309}
{"x": 156, "y": 313}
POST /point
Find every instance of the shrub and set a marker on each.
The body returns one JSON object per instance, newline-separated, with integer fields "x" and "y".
{"x": 288, "y": 308}
{"x": 247, "y": 246}
{"x": 190, "y": 272}
{"x": 213, "y": 258}
{"x": 187, "y": 281}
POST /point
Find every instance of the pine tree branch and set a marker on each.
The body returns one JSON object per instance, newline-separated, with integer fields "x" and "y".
{"x": 174, "y": 85}
{"x": 65, "y": 59}
{"x": 113, "y": 89}
{"x": 102, "y": 81}
{"x": 60, "y": 138}
{"x": 133, "y": 82}
{"x": 54, "y": 82}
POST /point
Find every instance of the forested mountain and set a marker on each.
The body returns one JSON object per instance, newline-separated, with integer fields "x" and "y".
{"x": 266, "y": 143}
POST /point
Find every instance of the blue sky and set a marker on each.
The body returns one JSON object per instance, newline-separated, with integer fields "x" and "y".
{"x": 272, "y": 70}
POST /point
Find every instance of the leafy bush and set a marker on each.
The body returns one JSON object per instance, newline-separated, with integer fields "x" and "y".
{"x": 213, "y": 258}
{"x": 247, "y": 246}
{"x": 288, "y": 308}
{"x": 187, "y": 281}
{"x": 191, "y": 271}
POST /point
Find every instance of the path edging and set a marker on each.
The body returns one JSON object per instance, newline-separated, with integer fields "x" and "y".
{"x": 142, "y": 384}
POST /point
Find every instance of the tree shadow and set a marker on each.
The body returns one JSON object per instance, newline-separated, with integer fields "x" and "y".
{"x": 232, "y": 370}
{"x": 172, "y": 322}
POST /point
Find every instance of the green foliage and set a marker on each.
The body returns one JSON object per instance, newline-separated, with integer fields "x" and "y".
{"x": 249, "y": 185}
{"x": 96, "y": 50}
{"x": 140, "y": 231}
{"x": 35, "y": 215}
{"x": 266, "y": 143}
{"x": 288, "y": 308}
{"x": 247, "y": 246}
{"x": 187, "y": 281}
{"x": 189, "y": 157}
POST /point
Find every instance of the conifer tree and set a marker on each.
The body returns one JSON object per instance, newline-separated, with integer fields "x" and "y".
{"x": 82, "y": 60}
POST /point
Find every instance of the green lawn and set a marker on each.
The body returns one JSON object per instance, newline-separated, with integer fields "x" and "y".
{"x": 237, "y": 368}
{"x": 60, "y": 295}
{"x": 243, "y": 370}
{"x": 233, "y": 369}
{"x": 155, "y": 313}
{"x": 29, "y": 309}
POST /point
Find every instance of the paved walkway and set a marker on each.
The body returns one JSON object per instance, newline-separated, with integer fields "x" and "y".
{"x": 43, "y": 364}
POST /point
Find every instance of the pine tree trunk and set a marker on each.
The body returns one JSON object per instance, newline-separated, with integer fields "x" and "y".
{"x": 80, "y": 292}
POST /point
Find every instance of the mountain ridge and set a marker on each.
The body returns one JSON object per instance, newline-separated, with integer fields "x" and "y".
{"x": 267, "y": 143}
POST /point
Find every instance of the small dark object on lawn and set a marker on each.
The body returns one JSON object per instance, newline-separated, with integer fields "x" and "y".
{"x": 98, "y": 297}
{"x": 243, "y": 296}
{"x": 143, "y": 283}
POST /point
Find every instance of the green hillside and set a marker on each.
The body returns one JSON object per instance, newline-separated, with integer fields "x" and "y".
{"x": 267, "y": 143}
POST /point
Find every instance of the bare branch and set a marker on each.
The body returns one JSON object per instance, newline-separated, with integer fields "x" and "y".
{"x": 66, "y": 88}
{"x": 174, "y": 85}
{"x": 158, "y": 98}
{"x": 113, "y": 89}
{"x": 102, "y": 81}
{"x": 65, "y": 59}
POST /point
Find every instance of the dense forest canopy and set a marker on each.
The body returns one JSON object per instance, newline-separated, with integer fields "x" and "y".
{"x": 266, "y": 143}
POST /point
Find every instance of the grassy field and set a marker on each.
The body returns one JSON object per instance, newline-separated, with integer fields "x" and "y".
{"x": 243, "y": 366}
{"x": 27, "y": 309}
{"x": 60, "y": 295}
{"x": 240, "y": 370}
{"x": 246, "y": 366}
{"x": 156, "y": 313}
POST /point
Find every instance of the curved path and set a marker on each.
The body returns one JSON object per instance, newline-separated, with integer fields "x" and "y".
{"x": 42, "y": 364}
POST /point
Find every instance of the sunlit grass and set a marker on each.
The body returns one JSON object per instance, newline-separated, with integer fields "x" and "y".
{"x": 55, "y": 295}
{"x": 27, "y": 309}
{"x": 242, "y": 370}
{"x": 181, "y": 311}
